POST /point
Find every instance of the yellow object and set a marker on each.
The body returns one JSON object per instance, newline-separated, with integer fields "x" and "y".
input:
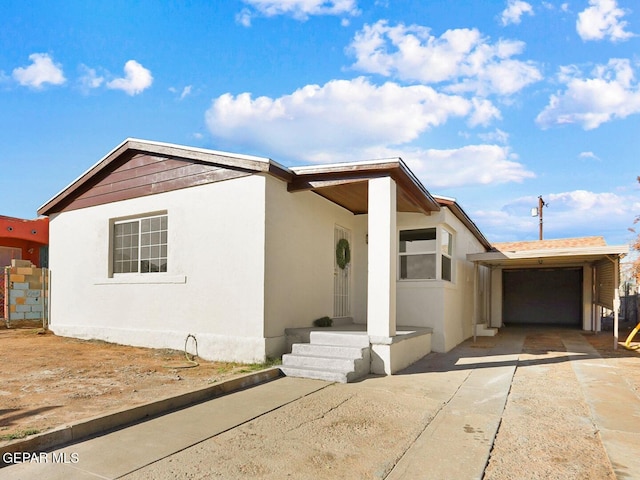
{"x": 627, "y": 343}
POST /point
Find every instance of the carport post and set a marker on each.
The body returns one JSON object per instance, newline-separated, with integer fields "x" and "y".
{"x": 475, "y": 299}
{"x": 616, "y": 300}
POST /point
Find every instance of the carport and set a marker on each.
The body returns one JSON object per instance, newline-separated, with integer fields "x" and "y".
{"x": 564, "y": 282}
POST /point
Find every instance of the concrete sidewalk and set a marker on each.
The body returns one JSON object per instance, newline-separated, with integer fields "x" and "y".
{"x": 118, "y": 453}
{"x": 435, "y": 420}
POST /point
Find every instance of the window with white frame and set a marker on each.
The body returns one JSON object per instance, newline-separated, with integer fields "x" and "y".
{"x": 418, "y": 254}
{"x": 446, "y": 250}
{"x": 140, "y": 245}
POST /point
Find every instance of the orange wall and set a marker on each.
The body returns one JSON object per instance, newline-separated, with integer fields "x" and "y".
{"x": 28, "y": 235}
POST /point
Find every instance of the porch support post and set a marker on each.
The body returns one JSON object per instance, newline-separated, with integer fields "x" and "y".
{"x": 381, "y": 294}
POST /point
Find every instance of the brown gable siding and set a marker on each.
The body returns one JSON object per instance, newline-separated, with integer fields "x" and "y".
{"x": 143, "y": 174}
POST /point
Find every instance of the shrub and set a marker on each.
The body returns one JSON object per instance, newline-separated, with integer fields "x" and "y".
{"x": 323, "y": 322}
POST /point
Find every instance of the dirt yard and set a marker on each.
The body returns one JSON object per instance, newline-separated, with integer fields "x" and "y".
{"x": 48, "y": 381}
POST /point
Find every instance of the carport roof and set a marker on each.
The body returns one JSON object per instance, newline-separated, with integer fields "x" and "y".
{"x": 549, "y": 252}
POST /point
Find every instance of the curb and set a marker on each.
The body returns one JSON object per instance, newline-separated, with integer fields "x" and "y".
{"x": 98, "y": 425}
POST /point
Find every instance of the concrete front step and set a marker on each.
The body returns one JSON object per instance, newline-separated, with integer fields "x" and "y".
{"x": 483, "y": 331}
{"x": 331, "y": 356}
{"x": 316, "y": 374}
{"x": 314, "y": 361}
{"x": 345, "y": 339}
{"x": 326, "y": 350}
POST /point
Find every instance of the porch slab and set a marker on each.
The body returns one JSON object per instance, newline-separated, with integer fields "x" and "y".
{"x": 303, "y": 335}
{"x": 384, "y": 355}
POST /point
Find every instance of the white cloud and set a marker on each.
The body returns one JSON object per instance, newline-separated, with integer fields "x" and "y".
{"x": 186, "y": 91}
{"x": 347, "y": 120}
{"x": 568, "y": 214}
{"x": 341, "y": 116}
{"x": 469, "y": 165}
{"x": 40, "y": 72}
{"x": 514, "y": 11}
{"x": 136, "y": 79}
{"x": 610, "y": 93}
{"x": 496, "y": 136}
{"x": 244, "y": 17}
{"x": 460, "y": 58}
{"x": 89, "y": 79}
{"x": 298, "y": 9}
{"x": 588, "y": 155}
{"x": 602, "y": 20}
{"x": 483, "y": 112}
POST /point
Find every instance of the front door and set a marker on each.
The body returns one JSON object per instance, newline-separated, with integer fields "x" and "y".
{"x": 342, "y": 276}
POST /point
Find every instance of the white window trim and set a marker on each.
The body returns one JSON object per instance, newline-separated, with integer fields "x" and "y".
{"x": 140, "y": 279}
{"x": 450, "y": 256}
{"x": 437, "y": 252}
{"x": 136, "y": 277}
{"x": 425, "y": 252}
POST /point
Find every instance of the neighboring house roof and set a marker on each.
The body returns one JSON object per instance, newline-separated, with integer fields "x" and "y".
{"x": 550, "y": 244}
{"x": 137, "y": 168}
{"x": 560, "y": 251}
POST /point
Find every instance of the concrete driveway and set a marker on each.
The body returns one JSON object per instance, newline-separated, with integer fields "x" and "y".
{"x": 529, "y": 403}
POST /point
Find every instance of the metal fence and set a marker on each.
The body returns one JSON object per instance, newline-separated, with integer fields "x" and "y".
{"x": 629, "y": 308}
{"x": 2, "y": 294}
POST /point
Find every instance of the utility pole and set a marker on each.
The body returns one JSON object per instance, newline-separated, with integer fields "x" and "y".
{"x": 537, "y": 212}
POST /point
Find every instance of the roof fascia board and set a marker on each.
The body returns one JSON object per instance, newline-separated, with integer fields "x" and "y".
{"x": 257, "y": 164}
{"x": 316, "y": 176}
{"x": 549, "y": 253}
{"x": 83, "y": 178}
{"x": 461, "y": 215}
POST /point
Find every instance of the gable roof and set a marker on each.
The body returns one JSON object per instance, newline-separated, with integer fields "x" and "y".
{"x": 137, "y": 168}
{"x": 202, "y": 160}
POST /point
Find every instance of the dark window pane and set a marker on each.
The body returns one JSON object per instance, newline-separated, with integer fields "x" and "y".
{"x": 446, "y": 268}
{"x": 418, "y": 241}
{"x": 418, "y": 267}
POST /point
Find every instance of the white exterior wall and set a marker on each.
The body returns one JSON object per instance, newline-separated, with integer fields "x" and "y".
{"x": 360, "y": 259}
{"x": 300, "y": 259}
{"x": 214, "y": 287}
{"x": 446, "y": 307}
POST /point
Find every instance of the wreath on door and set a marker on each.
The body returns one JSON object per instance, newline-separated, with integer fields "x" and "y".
{"x": 343, "y": 253}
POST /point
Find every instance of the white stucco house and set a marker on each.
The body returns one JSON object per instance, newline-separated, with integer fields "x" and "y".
{"x": 157, "y": 241}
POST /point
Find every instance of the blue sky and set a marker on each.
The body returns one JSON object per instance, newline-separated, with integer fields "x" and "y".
{"x": 491, "y": 102}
